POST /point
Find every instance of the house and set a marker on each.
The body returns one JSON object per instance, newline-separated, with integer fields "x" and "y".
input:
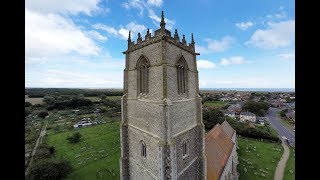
{"x": 236, "y": 108}
{"x": 291, "y": 115}
{"x": 230, "y": 114}
{"x": 221, "y": 154}
{"x": 247, "y": 116}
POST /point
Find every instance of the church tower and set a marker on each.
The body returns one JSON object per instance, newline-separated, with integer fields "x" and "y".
{"x": 162, "y": 134}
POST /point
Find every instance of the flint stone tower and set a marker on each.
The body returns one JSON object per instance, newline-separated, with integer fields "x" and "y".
{"x": 162, "y": 134}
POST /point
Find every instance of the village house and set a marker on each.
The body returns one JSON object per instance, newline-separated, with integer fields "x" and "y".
{"x": 247, "y": 116}
{"x": 291, "y": 114}
{"x": 236, "y": 108}
{"x": 230, "y": 114}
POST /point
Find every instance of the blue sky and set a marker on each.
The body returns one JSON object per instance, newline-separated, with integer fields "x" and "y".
{"x": 243, "y": 44}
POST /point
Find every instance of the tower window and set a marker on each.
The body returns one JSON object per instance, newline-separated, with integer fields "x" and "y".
{"x": 143, "y": 149}
{"x": 184, "y": 149}
{"x": 182, "y": 76}
{"x": 143, "y": 75}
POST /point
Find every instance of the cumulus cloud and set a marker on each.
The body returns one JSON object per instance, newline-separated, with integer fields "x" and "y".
{"x": 216, "y": 45}
{"x": 63, "y": 6}
{"x": 232, "y": 60}
{"x": 277, "y": 35}
{"x": 122, "y": 32}
{"x": 51, "y": 34}
{"x": 244, "y": 25}
{"x": 205, "y": 64}
{"x": 141, "y": 5}
{"x": 97, "y": 36}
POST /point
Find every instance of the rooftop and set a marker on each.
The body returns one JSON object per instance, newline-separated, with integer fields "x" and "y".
{"x": 218, "y": 149}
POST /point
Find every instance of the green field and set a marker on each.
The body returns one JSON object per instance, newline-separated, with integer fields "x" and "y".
{"x": 215, "y": 103}
{"x": 257, "y": 160}
{"x": 289, "y": 172}
{"x": 97, "y": 98}
{"x": 96, "y": 156}
{"x": 93, "y": 98}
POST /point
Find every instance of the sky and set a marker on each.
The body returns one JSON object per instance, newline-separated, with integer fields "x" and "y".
{"x": 79, "y": 44}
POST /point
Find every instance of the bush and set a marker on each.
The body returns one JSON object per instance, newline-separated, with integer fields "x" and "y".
{"x": 212, "y": 116}
{"x": 283, "y": 112}
{"x": 50, "y": 169}
{"x": 75, "y": 138}
{"x": 258, "y": 108}
{"x": 43, "y": 114}
{"x": 27, "y": 112}
{"x": 27, "y": 104}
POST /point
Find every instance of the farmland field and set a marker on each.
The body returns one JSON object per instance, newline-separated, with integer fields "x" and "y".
{"x": 33, "y": 101}
{"x": 96, "y": 156}
{"x": 215, "y": 103}
{"x": 257, "y": 160}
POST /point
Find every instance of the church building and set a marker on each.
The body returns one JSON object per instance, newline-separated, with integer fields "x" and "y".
{"x": 162, "y": 133}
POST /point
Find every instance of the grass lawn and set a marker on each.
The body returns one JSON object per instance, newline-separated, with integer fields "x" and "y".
{"x": 215, "y": 103}
{"x": 93, "y": 98}
{"x": 257, "y": 160}
{"x": 96, "y": 156}
{"x": 114, "y": 97}
{"x": 34, "y": 101}
{"x": 289, "y": 172}
{"x": 287, "y": 123}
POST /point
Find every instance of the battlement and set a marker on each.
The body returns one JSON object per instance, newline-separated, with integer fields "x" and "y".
{"x": 161, "y": 34}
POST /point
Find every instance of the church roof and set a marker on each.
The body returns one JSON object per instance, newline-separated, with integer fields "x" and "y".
{"x": 227, "y": 129}
{"x": 218, "y": 149}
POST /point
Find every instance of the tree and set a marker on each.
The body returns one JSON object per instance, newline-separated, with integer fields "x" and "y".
{"x": 43, "y": 114}
{"x": 211, "y": 117}
{"x": 27, "y": 104}
{"x": 50, "y": 169}
{"x": 75, "y": 138}
{"x": 283, "y": 112}
{"x": 258, "y": 108}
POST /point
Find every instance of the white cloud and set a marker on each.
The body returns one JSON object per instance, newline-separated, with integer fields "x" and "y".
{"x": 244, "y": 25}
{"x": 123, "y": 32}
{"x": 141, "y": 5}
{"x": 51, "y": 35}
{"x": 157, "y": 3}
{"x": 205, "y": 64}
{"x": 232, "y": 60}
{"x": 216, "y": 45}
{"x": 156, "y": 20}
{"x": 287, "y": 56}
{"x": 74, "y": 79}
{"x": 278, "y": 35}
{"x": 107, "y": 28}
{"x": 63, "y": 6}
{"x": 97, "y": 36}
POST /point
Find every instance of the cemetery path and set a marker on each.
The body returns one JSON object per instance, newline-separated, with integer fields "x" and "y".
{"x": 282, "y": 163}
{"x": 42, "y": 133}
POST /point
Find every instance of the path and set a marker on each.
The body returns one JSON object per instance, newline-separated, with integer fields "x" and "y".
{"x": 278, "y": 175}
{"x": 42, "y": 133}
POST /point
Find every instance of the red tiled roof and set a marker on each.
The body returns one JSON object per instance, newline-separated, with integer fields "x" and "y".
{"x": 218, "y": 148}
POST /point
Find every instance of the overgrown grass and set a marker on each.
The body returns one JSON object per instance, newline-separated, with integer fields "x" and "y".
{"x": 93, "y": 98}
{"x": 257, "y": 160}
{"x": 215, "y": 103}
{"x": 114, "y": 98}
{"x": 96, "y": 156}
{"x": 289, "y": 172}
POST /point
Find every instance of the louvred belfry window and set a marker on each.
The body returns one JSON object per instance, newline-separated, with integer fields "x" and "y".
{"x": 182, "y": 76}
{"x": 143, "y": 75}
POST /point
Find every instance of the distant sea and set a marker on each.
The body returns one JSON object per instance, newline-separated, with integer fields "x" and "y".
{"x": 252, "y": 89}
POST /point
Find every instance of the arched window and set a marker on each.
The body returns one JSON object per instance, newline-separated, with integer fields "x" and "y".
{"x": 143, "y": 75}
{"x": 184, "y": 149}
{"x": 182, "y": 70}
{"x": 143, "y": 149}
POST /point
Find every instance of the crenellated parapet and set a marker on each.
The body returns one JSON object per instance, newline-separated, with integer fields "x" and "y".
{"x": 161, "y": 34}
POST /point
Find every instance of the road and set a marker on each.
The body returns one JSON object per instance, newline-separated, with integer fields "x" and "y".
{"x": 39, "y": 141}
{"x": 275, "y": 122}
